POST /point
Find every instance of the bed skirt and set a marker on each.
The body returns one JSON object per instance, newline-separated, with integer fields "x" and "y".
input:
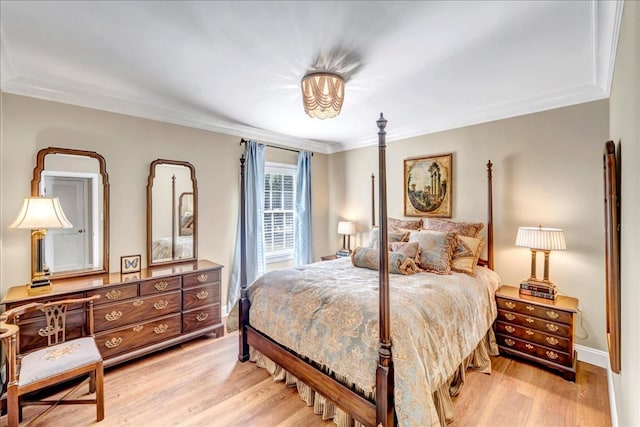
{"x": 479, "y": 360}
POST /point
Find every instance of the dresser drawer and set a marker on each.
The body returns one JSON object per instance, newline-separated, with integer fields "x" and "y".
{"x": 552, "y": 355}
{"x": 548, "y": 340}
{"x": 529, "y": 309}
{"x": 127, "y": 338}
{"x": 31, "y": 338}
{"x": 115, "y": 293}
{"x": 150, "y": 287}
{"x": 200, "y": 318}
{"x": 531, "y": 322}
{"x": 136, "y": 310}
{"x": 200, "y": 278}
{"x": 200, "y": 296}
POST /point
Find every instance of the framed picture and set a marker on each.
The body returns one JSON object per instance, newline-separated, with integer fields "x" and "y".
{"x": 428, "y": 186}
{"x": 130, "y": 264}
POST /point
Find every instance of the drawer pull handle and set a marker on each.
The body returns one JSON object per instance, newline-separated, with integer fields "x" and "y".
{"x": 138, "y": 303}
{"x": 552, "y": 355}
{"x": 529, "y": 320}
{"x": 510, "y": 329}
{"x": 113, "y": 342}
{"x": 202, "y": 294}
{"x": 530, "y": 308}
{"x": 529, "y": 332}
{"x": 509, "y": 304}
{"x": 202, "y": 317}
{"x": 552, "y": 314}
{"x": 161, "y": 286}
{"x": 45, "y": 332}
{"x": 529, "y": 346}
{"x": 113, "y": 294}
{"x": 202, "y": 278}
{"x": 552, "y": 340}
{"x": 161, "y": 328}
{"x": 161, "y": 304}
{"x": 509, "y": 316}
{"x": 552, "y": 327}
{"x": 138, "y": 328}
{"x": 509, "y": 342}
{"x": 114, "y": 315}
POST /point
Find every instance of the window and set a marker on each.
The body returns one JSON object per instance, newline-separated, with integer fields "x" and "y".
{"x": 279, "y": 210}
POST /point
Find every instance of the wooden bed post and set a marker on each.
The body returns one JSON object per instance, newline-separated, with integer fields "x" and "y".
{"x": 244, "y": 304}
{"x": 384, "y": 372}
{"x": 490, "y": 216}
{"x": 373, "y": 200}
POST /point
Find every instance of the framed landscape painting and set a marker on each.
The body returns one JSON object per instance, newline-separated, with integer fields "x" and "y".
{"x": 428, "y": 186}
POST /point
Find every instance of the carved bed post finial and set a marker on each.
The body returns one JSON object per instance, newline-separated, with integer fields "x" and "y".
{"x": 243, "y": 304}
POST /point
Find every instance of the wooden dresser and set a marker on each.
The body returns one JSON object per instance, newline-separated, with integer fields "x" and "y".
{"x": 537, "y": 329}
{"x": 137, "y": 313}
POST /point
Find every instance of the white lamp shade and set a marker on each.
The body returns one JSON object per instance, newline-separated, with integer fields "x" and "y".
{"x": 346, "y": 227}
{"x": 544, "y": 239}
{"x": 41, "y": 213}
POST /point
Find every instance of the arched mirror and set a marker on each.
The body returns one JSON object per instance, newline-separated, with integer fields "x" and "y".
{"x": 79, "y": 179}
{"x": 172, "y": 206}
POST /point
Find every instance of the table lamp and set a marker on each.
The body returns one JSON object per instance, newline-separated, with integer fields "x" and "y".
{"x": 346, "y": 228}
{"x": 541, "y": 239}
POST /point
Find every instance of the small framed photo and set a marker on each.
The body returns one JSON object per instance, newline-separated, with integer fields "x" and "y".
{"x": 130, "y": 264}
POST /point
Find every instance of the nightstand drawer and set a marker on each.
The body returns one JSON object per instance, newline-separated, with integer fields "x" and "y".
{"x": 535, "y": 323}
{"x": 530, "y": 309}
{"x": 552, "y": 355}
{"x": 528, "y": 334}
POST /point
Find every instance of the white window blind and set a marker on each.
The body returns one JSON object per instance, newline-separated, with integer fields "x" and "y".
{"x": 279, "y": 209}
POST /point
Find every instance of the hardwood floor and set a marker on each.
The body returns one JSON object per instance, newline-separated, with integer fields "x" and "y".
{"x": 201, "y": 383}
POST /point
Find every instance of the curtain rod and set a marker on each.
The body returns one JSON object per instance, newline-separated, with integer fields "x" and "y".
{"x": 244, "y": 141}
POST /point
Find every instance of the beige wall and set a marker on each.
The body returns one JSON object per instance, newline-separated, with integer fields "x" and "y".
{"x": 129, "y": 145}
{"x": 625, "y": 132}
{"x": 547, "y": 170}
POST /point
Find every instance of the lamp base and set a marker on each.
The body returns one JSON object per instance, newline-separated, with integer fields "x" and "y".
{"x": 39, "y": 286}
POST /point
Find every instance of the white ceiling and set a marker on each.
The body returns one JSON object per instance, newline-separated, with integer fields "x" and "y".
{"x": 235, "y": 67}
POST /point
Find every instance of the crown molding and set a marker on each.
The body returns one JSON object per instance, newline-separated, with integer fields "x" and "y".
{"x": 606, "y": 18}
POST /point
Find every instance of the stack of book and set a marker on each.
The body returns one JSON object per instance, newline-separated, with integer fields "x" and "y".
{"x": 538, "y": 289}
{"x": 343, "y": 253}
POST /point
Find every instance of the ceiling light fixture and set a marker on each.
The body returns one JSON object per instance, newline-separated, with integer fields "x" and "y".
{"x": 322, "y": 94}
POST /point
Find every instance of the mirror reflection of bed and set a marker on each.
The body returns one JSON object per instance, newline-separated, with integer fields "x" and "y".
{"x": 172, "y": 213}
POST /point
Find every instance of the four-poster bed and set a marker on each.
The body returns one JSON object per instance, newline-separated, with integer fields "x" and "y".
{"x": 376, "y": 408}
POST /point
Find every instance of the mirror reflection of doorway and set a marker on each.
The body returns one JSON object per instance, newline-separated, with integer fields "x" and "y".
{"x": 76, "y": 247}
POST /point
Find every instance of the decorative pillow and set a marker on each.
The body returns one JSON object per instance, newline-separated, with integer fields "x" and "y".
{"x": 466, "y": 254}
{"x": 398, "y": 263}
{"x": 436, "y": 250}
{"x": 469, "y": 229}
{"x": 396, "y": 224}
{"x": 392, "y": 236}
{"x": 408, "y": 249}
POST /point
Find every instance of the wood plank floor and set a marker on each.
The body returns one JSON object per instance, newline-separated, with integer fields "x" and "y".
{"x": 201, "y": 383}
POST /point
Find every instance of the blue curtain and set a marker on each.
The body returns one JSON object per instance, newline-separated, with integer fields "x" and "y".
{"x": 303, "y": 252}
{"x": 254, "y": 208}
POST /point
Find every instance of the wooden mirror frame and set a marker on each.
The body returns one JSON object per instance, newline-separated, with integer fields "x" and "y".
{"x": 612, "y": 251}
{"x": 152, "y": 175}
{"x": 35, "y": 191}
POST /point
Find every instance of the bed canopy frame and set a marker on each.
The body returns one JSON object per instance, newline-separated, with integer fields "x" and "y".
{"x": 380, "y": 413}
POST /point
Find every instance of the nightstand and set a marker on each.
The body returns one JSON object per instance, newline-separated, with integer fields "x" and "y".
{"x": 537, "y": 329}
{"x": 328, "y": 257}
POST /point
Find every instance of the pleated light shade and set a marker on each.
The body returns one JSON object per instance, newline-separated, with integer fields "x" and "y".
{"x": 539, "y": 238}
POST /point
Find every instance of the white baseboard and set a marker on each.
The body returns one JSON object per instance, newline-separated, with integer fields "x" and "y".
{"x": 592, "y": 356}
{"x": 612, "y": 396}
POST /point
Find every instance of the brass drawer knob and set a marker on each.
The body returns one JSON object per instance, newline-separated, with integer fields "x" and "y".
{"x": 138, "y": 303}
{"x": 529, "y": 346}
{"x": 529, "y": 320}
{"x": 202, "y": 294}
{"x": 138, "y": 328}
{"x": 552, "y": 355}
{"x": 529, "y": 332}
{"x": 159, "y": 305}
{"x": 509, "y": 304}
{"x": 509, "y": 316}
{"x": 510, "y": 329}
{"x": 202, "y": 278}
{"x": 530, "y": 308}
{"x": 114, "y": 315}
{"x": 201, "y": 317}
{"x": 161, "y": 328}
{"x": 113, "y": 342}
{"x": 161, "y": 286}
{"x": 552, "y": 314}
{"x": 552, "y": 340}
{"x": 509, "y": 342}
{"x": 113, "y": 294}
{"x": 552, "y": 327}
{"x": 45, "y": 332}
